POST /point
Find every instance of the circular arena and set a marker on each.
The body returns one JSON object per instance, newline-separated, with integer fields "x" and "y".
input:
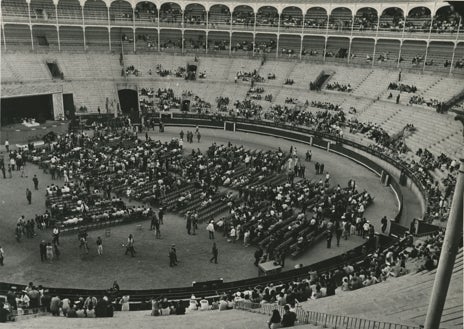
{"x": 296, "y": 164}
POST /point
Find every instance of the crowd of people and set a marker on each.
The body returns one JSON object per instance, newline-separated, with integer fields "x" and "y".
{"x": 402, "y": 87}
{"x": 339, "y": 87}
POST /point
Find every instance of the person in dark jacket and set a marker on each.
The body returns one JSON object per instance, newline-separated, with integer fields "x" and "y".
{"x": 4, "y": 313}
{"x": 100, "y": 308}
{"x": 180, "y": 308}
{"x": 215, "y": 253}
{"x": 289, "y": 318}
{"x": 258, "y": 254}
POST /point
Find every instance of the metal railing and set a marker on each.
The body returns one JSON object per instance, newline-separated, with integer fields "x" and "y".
{"x": 323, "y": 319}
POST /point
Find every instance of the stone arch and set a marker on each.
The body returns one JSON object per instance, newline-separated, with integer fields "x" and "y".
{"x": 218, "y": 14}
{"x": 16, "y": 8}
{"x": 366, "y": 18}
{"x": 418, "y": 19}
{"x": 195, "y": 14}
{"x": 445, "y": 20}
{"x": 243, "y": 15}
{"x": 95, "y": 12}
{"x": 121, "y": 11}
{"x": 145, "y": 12}
{"x": 391, "y": 19}
{"x": 340, "y": 19}
{"x": 69, "y": 10}
{"x": 43, "y": 11}
{"x": 419, "y": 11}
{"x": 170, "y": 13}
{"x": 291, "y": 16}
{"x": 267, "y": 16}
{"x": 316, "y": 18}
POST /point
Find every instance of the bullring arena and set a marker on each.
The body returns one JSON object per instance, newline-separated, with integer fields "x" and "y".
{"x": 295, "y": 159}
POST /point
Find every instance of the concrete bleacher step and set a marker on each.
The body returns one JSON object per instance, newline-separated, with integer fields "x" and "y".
{"x": 403, "y": 300}
{"x": 9, "y": 69}
{"x": 232, "y": 319}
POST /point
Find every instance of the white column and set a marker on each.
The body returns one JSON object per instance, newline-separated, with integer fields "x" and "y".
{"x": 30, "y": 24}
{"x": 3, "y": 35}
{"x": 447, "y": 256}
{"x": 428, "y": 42}
{"x": 302, "y": 35}
{"x": 326, "y": 35}
{"x": 455, "y": 46}
{"x": 109, "y": 27}
{"x": 278, "y": 35}
{"x": 133, "y": 27}
{"x": 373, "y": 54}
{"x": 230, "y": 43}
{"x": 159, "y": 31}
{"x": 402, "y": 36}
{"x": 351, "y": 38}
{"x": 83, "y": 27}
{"x": 57, "y": 28}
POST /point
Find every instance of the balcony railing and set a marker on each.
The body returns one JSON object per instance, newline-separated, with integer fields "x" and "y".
{"x": 324, "y": 319}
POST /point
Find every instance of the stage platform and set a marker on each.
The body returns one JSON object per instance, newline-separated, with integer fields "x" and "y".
{"x": 20, "y": 134}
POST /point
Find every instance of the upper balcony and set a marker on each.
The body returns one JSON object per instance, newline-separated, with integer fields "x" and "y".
{"x": 409, "y": 20}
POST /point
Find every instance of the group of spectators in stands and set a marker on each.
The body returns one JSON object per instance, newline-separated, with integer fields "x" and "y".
{"x": 339, "y": 87}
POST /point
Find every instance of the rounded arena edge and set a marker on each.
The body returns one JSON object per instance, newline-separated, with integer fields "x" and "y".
{"x": 299, "y": 134}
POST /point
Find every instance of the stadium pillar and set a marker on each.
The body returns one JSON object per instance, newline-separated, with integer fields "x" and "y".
{"x": 3, "y": 36}
{"x": 183, "y": 39}
{"x": 326, "y": 36}
{"x": 159, "y": 32}
{"x": 301, "y": 46}
{"x": 428, "y": 40}
{"x": 402, "y": 35}
{"x": 455, "y": 46}
{"x": 452, "y": 57}
{"x": 351, "y": 38}
{"x": 83, "y": 26}
{"x": 133, "y": 29}
{"x": 426, "y": 54}
{"x": 373, "y": 53}
{"x": 399, "y": 53}
{"x": 58, "y": 37}
{"x": 109, "y": 27}
{"x": 302, "y": 35}
{"x": 83, "y": 34}
{"x": 278, "y": 36}
{"x": 230, "y": 41}
{"x": 57, "y": 26}
{"x": 449, "y": 250}
{"x": 30, "y": 24}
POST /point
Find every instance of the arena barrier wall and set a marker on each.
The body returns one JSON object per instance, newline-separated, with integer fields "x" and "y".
{"x": 140, "y": 298}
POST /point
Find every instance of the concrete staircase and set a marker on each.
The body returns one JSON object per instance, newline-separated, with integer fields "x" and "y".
{"x": 401, "y": 300}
